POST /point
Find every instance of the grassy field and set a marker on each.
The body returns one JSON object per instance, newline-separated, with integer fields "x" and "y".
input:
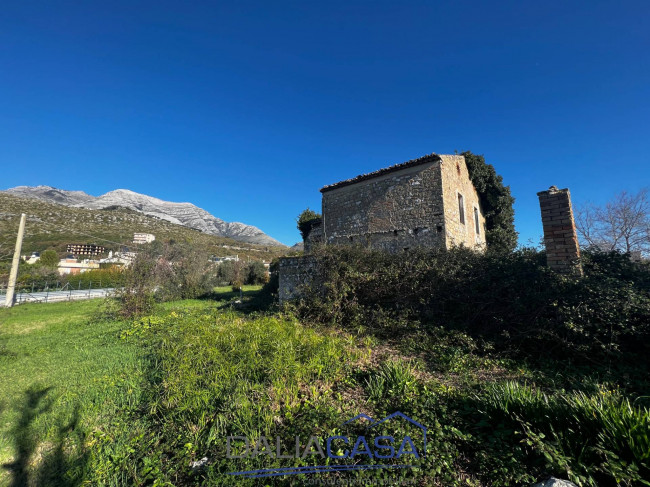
{"x": 62, "y": 373}
{"x": 93, "y": 401}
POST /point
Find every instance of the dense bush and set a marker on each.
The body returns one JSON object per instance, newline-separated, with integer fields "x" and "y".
{"x": 108, "y": 277}
{"x": 136, "y": 297}
{"x": 496, "y": 203}
{"x": 256, "y": 273}
{"x": 306, "y": 222}
{"x": 49, "y": 258}
{"x": 179, "y": 272}
{"x": 513, "y": 299}
{"x": 238, "y": 272}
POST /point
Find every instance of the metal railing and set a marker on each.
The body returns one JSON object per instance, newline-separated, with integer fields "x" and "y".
{"x": 59, "y": 291}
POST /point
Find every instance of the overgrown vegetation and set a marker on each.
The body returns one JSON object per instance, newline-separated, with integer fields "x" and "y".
{"x": 513, "y": 301}
{"x": 306, "y": 222}
{"x": 239, "y": 272}
{"x": 518, "y": 374}
{"x": 598, "y": 439}
{"x": 583, "y": 340}
{"x": 179, "y": 271}
{"x": 496, "y": 203}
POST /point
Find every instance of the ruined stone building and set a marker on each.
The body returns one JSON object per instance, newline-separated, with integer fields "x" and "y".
{"x": 425, "y": 202}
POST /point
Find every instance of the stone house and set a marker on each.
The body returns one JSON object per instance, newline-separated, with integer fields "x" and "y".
{"x": 425, "y": 202}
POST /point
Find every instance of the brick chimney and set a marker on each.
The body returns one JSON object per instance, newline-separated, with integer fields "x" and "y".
{"x": 560, "y": 238}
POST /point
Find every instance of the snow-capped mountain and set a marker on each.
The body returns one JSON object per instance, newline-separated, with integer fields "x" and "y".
{"x": 185, "y": 214}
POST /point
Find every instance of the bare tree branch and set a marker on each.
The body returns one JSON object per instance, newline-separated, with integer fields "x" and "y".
{"x": 622, "y": 224}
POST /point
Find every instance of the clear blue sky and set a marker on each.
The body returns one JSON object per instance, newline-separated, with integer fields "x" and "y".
{"x": 247, "y": 108}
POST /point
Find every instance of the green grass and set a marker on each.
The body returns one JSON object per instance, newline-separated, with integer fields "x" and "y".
{"x": 85, "y": 399}
{"x": 61, "y": 375}
{"x": 226, "y": 292}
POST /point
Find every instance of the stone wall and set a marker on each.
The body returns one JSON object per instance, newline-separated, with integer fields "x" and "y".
{"x": 415, "y": 205}
{"x": 392, "y": 212}
{"x": 560, "y": 238}
{"x": 314, "y": 238}
{"x": 295, "y": 274}
{"x": 455, "y": 182}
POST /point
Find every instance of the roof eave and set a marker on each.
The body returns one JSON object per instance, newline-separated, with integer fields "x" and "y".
{"x": 397, "y": 167}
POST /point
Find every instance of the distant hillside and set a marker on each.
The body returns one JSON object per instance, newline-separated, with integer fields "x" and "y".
{"x": 54, "y": 226}
{"x": 185, "y": 214}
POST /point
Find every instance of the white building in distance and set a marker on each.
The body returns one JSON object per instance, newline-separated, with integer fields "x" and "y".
{"x": 72, "y": 266}
{"x": 143, "y": 238}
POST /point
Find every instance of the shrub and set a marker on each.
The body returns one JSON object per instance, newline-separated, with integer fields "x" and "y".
{"x": 180, "y": 272}
{"x": 392, "y": 379}
{"x": 512, "y": 300}
{"x": 272, "y": 287}
{"x": 256, "y": 273}
{"x": 49, "y": 258}
{"x": 136, "y": 297}
{"x": 496, "y": 202}
{"x": 306, "y": 221}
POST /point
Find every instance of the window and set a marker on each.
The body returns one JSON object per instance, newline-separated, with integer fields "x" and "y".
{"x": 461, "y": 208}
{"x": 476, "y": 222}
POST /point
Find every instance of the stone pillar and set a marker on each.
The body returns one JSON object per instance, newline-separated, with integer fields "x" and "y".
{"x": 560, "y": 238}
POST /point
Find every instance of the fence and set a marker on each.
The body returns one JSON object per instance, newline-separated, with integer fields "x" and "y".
{"x": 58, "y": 291}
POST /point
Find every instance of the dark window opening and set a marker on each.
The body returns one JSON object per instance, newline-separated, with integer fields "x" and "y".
{"x": 416, "y": 231}
{"x": 461, "y": 208}
{"x": 439, "y": 228}
{"x": 406, "y": 249}
{"x": 351, "y": 238}
{"x": 394, "y": 232}
{"x": 476, "y": 222}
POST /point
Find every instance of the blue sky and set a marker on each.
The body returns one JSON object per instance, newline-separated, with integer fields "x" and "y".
{"x": 246, "y": 109}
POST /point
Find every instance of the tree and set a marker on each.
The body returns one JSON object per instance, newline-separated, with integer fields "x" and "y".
{"x": 622, "y": 224}
{"x": 226, "y": 272}
{"x": 136, "y": 297}
{"x": 256, "y": 273}
{"x": 181, "y": 271}
{"x": 306, "y": 221}
{"x": 496, "y": 203}
{"x": 184, "y": 272}
{"x": 49, "y": 258}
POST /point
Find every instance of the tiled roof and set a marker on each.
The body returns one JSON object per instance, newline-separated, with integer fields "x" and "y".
{"x": 381, "y": 172}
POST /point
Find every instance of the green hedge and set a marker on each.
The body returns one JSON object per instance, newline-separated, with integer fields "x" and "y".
{"x": 513, "y": 300}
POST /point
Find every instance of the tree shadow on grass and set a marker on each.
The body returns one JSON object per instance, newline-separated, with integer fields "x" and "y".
{"x": 247, "y": 302}
{"x": 62, "y": 460}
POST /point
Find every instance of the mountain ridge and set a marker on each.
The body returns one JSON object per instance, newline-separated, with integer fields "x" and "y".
{"x": 184, "y": 213}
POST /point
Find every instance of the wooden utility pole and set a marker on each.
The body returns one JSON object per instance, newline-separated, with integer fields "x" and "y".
{"x": 14, "y": 264}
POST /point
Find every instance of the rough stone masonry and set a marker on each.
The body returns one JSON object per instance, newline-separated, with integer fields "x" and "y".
{"x": 560, "y": 237}
{"x": 425, "y": 202}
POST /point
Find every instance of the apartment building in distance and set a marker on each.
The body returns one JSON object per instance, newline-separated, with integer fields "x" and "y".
{"x": 143, "y": 238}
